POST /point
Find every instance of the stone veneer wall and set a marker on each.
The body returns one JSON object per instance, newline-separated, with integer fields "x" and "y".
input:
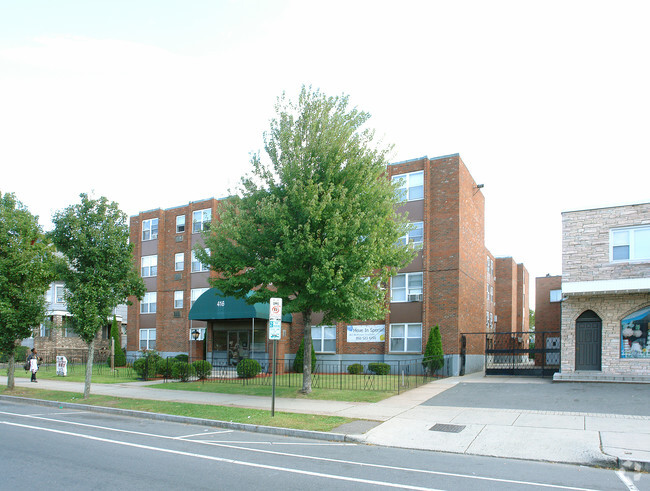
{"x": 611, "y": 309}
{"x": 585, "y": 243}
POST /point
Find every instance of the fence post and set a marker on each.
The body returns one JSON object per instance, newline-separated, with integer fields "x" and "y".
{"x": 398, "y": 375}
{"x": 340, "y": 374}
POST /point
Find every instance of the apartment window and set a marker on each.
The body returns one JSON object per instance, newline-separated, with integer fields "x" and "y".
{"x": 630, "y": 244}
{"x": 195, "y": 293}
{"x": 150, "y": 229}
{"x": 411, "y": 186}
{"x": 149, "y": 265}
{"x": 46, "y": 327}
{"x": 67, "y": 323}
{"x": 555, "y": 296}
{"x": 201, "y": 220}
{"x": 179, "y": 261}
{"x": 324, "y": 339}
{"x": 148, "y": 304}
{"x": 178, "y": 299}
{"x": 180, "y": 224}
{"x": 147, "y": 339}
{"x": 406, "y": 287}
{"x": 415, "y": 236}
{"x": 198, "y": 266}
{"x": 59, "y": 294}
{"x": 406, "y": 338}
{"x": 106, "y": 332}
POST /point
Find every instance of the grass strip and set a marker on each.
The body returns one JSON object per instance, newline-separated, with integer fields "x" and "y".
{"x": 217, "y": 386}
{"x": 218, "y": 413}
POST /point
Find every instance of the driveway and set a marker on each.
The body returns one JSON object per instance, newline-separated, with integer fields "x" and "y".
{"x": 545, "y": 395}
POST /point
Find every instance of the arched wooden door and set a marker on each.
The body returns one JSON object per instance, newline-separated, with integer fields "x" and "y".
{"x": 589, "y": 330}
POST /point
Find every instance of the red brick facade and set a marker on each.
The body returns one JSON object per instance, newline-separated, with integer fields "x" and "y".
{"x": 457, "y": 293}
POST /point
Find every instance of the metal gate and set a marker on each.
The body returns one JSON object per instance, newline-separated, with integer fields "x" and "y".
{"x": 522, "y": 353}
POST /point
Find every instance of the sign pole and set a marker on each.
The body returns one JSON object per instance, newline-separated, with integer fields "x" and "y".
{"x": 275, "y": 334}
{"x": 275, "y": 345}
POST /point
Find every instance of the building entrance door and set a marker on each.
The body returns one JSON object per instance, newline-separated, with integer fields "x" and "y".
{"x": 589, "y": 330}
{"x": 238, "y": 346}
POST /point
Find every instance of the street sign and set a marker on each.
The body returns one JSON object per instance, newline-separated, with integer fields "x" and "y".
{"x": 275, "y": 319}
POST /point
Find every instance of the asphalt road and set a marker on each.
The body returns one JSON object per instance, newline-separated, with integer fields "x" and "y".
{"x": 56, "y": 448}
{"x": 604, "y": 398}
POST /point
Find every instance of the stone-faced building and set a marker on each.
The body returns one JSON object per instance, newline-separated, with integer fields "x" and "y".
{"x": 606, "y": 293}
{"x": 450, "y": 283}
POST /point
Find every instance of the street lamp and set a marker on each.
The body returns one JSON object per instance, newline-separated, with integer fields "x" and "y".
{"x": 195, "y": 334}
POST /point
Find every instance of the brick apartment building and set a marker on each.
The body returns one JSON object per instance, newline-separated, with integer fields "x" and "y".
{"x": 452, "y": 282}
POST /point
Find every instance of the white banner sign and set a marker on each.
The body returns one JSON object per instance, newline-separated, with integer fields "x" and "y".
{"x": 367, "y": 334}
{"x": 62, "y": 366}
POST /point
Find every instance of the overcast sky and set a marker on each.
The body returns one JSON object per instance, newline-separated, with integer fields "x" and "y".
{"x": 155, "y": 103}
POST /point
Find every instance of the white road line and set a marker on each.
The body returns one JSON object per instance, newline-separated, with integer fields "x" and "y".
{"x": 282, "y": 444}
{"x": 626, "y": 480}
{"x": 308, "y": 457}
{"x": 228, "y": 461}
{"x": 201, "y": 434}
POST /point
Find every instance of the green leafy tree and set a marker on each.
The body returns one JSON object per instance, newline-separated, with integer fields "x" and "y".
{"x": 26, "y": 270}
{"x": 99, "y": 272}
{"x": 434, "y": 358}
{"x": 314, "y": 223}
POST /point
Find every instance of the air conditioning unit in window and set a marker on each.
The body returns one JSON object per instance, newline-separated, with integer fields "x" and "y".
{"x": 415, "y": 297}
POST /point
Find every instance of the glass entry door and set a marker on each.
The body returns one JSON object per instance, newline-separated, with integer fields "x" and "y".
{"x": 238, "y": 346}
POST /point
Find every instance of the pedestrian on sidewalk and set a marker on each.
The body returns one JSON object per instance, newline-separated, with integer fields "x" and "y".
{"x": 33, "y": 364}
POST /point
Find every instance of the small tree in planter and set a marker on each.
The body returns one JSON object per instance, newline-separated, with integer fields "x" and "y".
{"x": 434, "y": 358}
{"x": 298, "y": 362}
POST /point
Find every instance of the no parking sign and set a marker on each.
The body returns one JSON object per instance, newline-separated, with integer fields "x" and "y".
{"x": 275, "y": 319}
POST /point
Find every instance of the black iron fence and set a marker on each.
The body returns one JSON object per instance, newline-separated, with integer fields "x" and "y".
{"x": 394, "y": 376}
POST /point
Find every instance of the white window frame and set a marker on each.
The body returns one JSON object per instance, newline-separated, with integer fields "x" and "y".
{"x": 407, "y": 190}
{"x": 201, "y": 220}
{"x": 148, "y": 336}
{"x": 149, "y": 231}
{"x": 59, "y": 297}
{"x": 149, "y": 266}
{"x": 555, "y": 296}
{"x": 198, "y": 266}
{"x": 195, "y": 293}
{"x": 178, "y": 299}
{"x": 179, "y": 265}
{"x": 148, "y": 303}
{"x": 318, "y": 338}
{"x": 180, "y": 224}
{"x": 414, "y": 239}
{"x": 406, "y": 336}
{"x": 409, "y": 288}
{"x": 635, "y": 253}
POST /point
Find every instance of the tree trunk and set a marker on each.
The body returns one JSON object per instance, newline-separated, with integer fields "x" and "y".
{"x": 89, "y": 367}
{"x": 306, "y": 371}
{"x": 11, "y": 370}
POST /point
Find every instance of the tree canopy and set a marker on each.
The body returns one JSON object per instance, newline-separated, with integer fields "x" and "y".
{"x": 314, "y": 222}
{"x": 99, "y": 272}
{"x": 26, "y": 260}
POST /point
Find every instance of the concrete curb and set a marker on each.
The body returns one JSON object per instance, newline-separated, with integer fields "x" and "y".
{"x": 271, "y": 430}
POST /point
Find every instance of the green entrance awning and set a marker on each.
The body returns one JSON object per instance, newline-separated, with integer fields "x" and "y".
{"x": 212, "y": 305}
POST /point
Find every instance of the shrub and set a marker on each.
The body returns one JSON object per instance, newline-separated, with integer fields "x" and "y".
{"x": 120, "y": 356}
{"x": 355, "y": 369}
{"x": 20, "y": 354}
{"x": 182, "y": 371}
{"x": 299, "y": 361}
{"x": 434, "y": 358}
{"x": 248, "y": 368}
{"x": 145, "y": 366}
{"x": 379, "y": 368}
{"x": 202, "y": 368}
{"x": 182, "y": 357}
{"x": 164, "y": 367}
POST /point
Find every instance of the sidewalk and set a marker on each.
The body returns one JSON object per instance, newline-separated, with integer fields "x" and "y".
{"x": 589, "y": 438}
